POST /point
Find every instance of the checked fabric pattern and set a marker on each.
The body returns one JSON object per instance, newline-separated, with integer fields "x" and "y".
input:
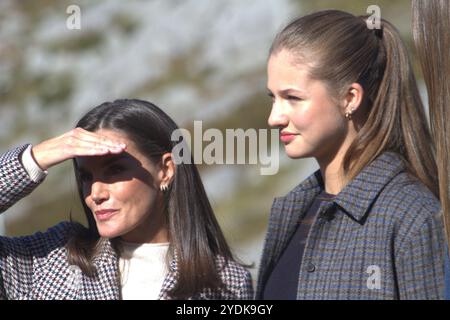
{"x": 14, "y": 180}
{"x": 384, "y": 219}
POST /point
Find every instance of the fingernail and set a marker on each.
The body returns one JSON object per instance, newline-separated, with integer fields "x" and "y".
{"x": 117, "y": 148}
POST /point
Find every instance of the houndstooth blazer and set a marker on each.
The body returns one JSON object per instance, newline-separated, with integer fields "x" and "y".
{"x": 36, "y": 266}
{"x": 381, "y": 237}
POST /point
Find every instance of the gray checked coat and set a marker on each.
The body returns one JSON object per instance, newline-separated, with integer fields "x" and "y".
{"x": 36, "y": 267}
{"x": 381, "y": 237}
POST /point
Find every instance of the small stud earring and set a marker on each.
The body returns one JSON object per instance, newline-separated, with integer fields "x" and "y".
{"x": 163, "y": 187}
{"x": 348, "y": 114}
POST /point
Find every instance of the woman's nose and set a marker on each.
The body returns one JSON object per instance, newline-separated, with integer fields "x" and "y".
{"x": 278, "y": 117}
{"x": 99, "y": 192}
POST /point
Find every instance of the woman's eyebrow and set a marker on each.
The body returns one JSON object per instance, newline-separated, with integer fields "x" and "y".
{"x": 114, "y": 159}
{"x": 290, "y": 91}
{"x": 106, "y": 162}
{"x": 286, "y": 91}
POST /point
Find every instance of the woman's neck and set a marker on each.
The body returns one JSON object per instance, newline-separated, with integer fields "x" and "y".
{"x": 332, "y": 178}
{"x": 331, "y": 163}
{"x": 331, "y": 168}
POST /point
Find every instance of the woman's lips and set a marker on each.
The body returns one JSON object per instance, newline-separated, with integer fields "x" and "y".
{"x": 287, "y": 137}
{"x": 103, "y": 215}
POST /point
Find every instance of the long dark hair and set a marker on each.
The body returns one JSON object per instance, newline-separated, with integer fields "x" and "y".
{"x": 431, "y": 27}
{"x": 195, "y": 236}
{"x": 340, "y": 50}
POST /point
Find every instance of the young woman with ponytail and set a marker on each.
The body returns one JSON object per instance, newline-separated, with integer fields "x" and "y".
{"x": 431, "y": 27}
{"x": 365, "y": 225}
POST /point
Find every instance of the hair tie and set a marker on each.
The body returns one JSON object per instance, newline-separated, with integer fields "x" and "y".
{"x": 379, "y": 32}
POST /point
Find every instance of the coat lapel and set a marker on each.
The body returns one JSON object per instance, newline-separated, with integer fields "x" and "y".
{"x": 57, "y": 280}
{"x": 286, "y": 214}
{"x": 169, "y": 281}
{"x": 54, "y": 280}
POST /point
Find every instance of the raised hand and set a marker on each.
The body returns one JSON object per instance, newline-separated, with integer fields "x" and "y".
{"x": 75, "y": 143}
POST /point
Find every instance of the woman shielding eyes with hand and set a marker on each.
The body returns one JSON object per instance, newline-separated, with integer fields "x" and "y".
{"x": 151, "y": 232}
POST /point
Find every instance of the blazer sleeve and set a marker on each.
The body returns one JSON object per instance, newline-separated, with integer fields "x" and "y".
{"x": 15, "y": 183}
{"x": 21, "y": 257}
{"x": 420, "y": 263}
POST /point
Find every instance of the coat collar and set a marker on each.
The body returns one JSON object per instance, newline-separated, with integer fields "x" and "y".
{"x": 356, "y": 198}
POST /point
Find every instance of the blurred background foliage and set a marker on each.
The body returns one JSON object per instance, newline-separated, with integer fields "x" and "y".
{"x": 197, "y": 59}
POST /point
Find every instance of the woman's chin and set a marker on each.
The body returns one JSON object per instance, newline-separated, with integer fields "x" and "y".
{"x": 298, "y": 151}
{"x": 296, "y": 154}
{"x": 108, "y": 232}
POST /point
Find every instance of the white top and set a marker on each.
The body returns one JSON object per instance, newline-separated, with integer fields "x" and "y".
{"x": 143, "y": 268}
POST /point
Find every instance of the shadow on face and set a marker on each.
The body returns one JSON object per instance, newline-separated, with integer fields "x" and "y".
{"x": 113, "y": 168}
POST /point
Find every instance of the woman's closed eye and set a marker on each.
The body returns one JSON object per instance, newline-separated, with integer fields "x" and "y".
{"x": 111, "y": 171}
{"x": 288, "y": 97}
{"x": 293, "y": 98}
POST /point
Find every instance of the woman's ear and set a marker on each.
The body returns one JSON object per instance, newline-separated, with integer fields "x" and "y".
{"x": 353, "y": 98}
{"x": 167, "y": 169}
